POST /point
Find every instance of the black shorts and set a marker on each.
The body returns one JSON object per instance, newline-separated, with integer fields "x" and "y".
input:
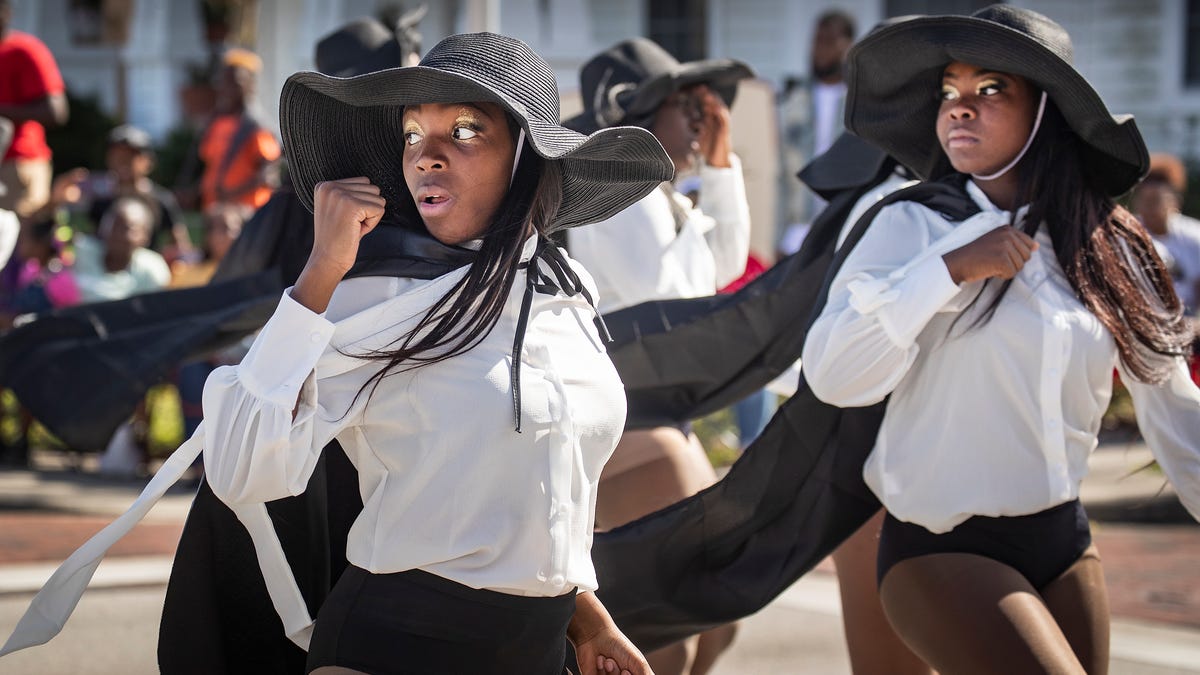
{"x": 417, "y": 622}
{"x": 1041, "y": 546}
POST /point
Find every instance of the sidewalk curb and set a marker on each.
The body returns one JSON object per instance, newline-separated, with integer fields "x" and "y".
{"x": 1135, "y": 641}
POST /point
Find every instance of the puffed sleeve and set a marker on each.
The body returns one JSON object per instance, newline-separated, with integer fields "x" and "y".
{"x": 888, "y": 289}
{"x": 1168, "y": 416}
{"x": 256, "y": 449}
{"x": 624, "y": 252}
{"x": 723, "y": 199}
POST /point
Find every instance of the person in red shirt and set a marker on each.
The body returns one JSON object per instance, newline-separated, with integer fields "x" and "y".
{"x": 240, "y": 156}
{"x": 32, "y": 95}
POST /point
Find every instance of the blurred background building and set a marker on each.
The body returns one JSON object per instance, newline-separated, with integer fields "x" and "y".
{"x": 149, "y": 62}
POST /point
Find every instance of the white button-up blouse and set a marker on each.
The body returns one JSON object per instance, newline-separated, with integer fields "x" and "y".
{"x": 997, "y": 420}
{"x": 661, "y": 248}
{"x": 448, "y": 485}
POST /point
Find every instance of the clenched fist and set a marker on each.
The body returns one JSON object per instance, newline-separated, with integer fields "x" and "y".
{"x": 344, "y": 211}
{"x": 998, "y": 254}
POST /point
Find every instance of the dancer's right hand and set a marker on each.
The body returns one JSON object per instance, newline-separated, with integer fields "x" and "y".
{"x": 343, "y": 212}
{"x": 998, "y": 254}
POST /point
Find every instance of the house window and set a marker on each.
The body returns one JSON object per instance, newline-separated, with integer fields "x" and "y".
{"x": 1191, "y": 66}
{"x": 680, "y": 26}
{"x": 903, "y": 7}
{"x": 93, "y": 23}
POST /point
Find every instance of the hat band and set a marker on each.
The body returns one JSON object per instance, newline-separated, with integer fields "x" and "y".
{"x": 1037, "y": 122}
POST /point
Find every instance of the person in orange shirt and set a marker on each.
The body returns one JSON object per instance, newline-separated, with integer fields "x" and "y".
{"x": 240, "y": 156}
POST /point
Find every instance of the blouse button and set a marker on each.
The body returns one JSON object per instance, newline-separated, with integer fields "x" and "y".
{"x": 315, "y": 337}
{"x": 558, "y": 580}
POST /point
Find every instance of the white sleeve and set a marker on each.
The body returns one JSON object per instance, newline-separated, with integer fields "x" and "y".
{"x": 624, "y": 253}
{"x": 723, "y": 199}
{"x": 254, "y": 449}
{"x": 887, "y": 290}
{"x": 1168, "y": 415}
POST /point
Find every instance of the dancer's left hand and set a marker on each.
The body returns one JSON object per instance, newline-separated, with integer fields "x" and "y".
{"x": 609, "y": 652}
{"x": 714, "y": 132}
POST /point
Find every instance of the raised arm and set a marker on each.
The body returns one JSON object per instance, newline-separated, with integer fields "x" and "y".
{"x": 265, "y": 421}
{"x": 893, "y": 283}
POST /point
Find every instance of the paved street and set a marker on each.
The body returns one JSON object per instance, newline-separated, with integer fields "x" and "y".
{"x": 1150, "y": 563}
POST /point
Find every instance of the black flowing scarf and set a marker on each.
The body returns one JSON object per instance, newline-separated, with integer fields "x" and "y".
{"x": 794, "y": 495}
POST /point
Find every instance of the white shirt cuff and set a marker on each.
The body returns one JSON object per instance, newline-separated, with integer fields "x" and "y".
{"x": 723, "y": 191}
{"x": 285, "y": 352}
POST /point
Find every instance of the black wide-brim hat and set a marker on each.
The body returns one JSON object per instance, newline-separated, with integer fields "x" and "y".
{"x": 894, "y": 75}
{"x": 336, "y": 128}
{"x": 626, "y": 83}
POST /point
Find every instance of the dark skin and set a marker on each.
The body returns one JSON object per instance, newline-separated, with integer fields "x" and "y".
{"x": 694, "y": 121}
{"x": 458, "y": 162}
{"x": 128, "y": 231}
{"x": 1154, "y": 202}
{"x": 831, "y": 42}
{"x": 984, "y": 120}
{"x": 50, "y": 111}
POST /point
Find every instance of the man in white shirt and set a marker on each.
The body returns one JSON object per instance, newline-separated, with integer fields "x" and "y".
{"x": 811, "y": 113}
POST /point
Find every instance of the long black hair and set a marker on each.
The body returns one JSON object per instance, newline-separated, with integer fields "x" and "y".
{"x": 1106, "y": 254}
{"x": 468, "y": 312}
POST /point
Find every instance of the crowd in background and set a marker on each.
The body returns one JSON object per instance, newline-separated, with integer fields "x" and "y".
{"x": 104, "y": 233}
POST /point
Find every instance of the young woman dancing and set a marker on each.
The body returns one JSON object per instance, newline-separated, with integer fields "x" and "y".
{"x": 996, "y": 339}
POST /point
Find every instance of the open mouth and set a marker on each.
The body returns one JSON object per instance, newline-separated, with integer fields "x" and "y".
{"x": 433, "y": 199}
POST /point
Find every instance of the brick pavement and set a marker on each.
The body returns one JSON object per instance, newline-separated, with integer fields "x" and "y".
{"x": 27, "y": 536}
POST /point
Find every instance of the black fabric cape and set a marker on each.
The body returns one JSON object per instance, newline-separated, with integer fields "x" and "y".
{"x": 712, "y": 558}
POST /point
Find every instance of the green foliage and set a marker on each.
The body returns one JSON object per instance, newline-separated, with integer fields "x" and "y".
{"x": 165, "y": 431}
{"x": 81, "y": 141}
{"x": 718, "y": 434}
{"x": 172, "y": 156}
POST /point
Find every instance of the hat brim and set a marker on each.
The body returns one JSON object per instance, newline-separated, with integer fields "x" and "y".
{"x": 849, "y": 162}
{"x": 722, "y": 75}
{"x": 894, "y": 74}
{"x": 335, "y": 128}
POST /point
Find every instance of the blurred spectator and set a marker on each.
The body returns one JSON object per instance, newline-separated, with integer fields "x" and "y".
{"x": 116, "y": 264}
{"x": 32, "y": 96}
{"x": 46, "y": 280}
{"x": 222, "y": 225}
{"x": 240, "y": 156}
{"x": 128, "y": 160}
{"x": 811, "y": 112}
{"x": 1156, "y": 202}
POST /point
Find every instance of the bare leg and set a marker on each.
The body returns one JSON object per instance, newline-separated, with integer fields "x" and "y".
{"x": 1079, "y": 602}
{"x": 964, "y": 613}
{"x": 874, "y": 647}
{"x": 679, "y": 469}
{"x": 712, "y": 644}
